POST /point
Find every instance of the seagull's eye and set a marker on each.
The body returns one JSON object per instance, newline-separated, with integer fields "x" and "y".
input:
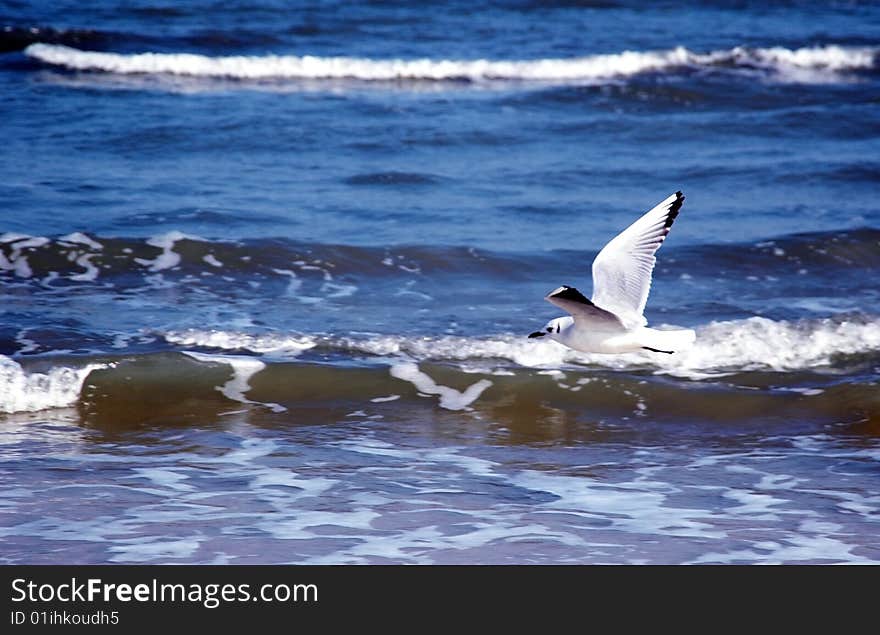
{"x": 549, "y": 329}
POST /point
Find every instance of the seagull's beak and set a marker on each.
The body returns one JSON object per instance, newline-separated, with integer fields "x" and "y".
{"x": 537, "y": 334}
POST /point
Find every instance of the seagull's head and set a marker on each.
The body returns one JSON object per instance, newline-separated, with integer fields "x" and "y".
{"x": 554, "y": 327}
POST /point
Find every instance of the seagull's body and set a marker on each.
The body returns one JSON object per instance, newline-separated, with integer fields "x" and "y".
{"x": 613, "y": 320}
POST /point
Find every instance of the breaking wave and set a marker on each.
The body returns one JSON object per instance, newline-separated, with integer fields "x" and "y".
{"x": 805, "y": 64}
{"x": 59, "y": 387}
{"x": 753, "y": 344}
{"x": 762, "y": 359}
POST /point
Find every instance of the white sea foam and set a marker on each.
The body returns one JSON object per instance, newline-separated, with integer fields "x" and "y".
{"x": 169, "y": 258}
{"x": 450, "y": 398}
{"x": 243, "y": 369}
{"x": 11, "y": 237}
{"x": 26, "y": 345}
{"x": 827, "y": 59}
{"x": 294, "y": 284}
{"x": 148, "y": 549}
{"x": 226, "y": 340}
{"x": 21, "y": 391}
{"x": 84, "y": 260}
{"x": 31, "y": 242}
{"x": 760, "y": 343}
{"x": 721, "y": 347}
{"x": 211, "y": 259}
{"x": 17, "y": 261}
{"x": 91, "y": 271}
{"x": 333, "y": 290}
{"x": 81, "y": 239}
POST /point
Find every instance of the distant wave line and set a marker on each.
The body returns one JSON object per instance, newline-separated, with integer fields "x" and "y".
{"x": 822, "y": 59}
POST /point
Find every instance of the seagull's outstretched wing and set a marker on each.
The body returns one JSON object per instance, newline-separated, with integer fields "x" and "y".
{"x": 574, "y": 303}
{"x": 622, "y": 270}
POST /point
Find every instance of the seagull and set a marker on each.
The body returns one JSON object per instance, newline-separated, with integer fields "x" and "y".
{"x": 613, "y": 321}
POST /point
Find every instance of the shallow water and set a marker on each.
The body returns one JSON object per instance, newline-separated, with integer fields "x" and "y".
{"x": 266, "y": 289}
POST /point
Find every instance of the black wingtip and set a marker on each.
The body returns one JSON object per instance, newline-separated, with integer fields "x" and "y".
{"x": 657, "y": 350}
{"x": 674, "y": 209}
{"x": 569, "y": 293}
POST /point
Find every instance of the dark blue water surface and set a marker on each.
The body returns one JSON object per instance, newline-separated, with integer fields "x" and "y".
{"x": 305, "y": 280}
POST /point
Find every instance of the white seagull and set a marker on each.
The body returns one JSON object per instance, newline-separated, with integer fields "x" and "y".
{"x": 613, "y": 321}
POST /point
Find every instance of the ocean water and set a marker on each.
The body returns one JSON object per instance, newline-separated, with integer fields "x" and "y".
{"x": 267, "y": 271}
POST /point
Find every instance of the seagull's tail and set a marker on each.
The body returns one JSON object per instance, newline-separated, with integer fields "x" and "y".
{"x": 667, "y": 341}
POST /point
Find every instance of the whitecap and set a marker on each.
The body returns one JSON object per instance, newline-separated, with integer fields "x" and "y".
{"x": 807, "y": 64}
{"x": 29, "y": 392}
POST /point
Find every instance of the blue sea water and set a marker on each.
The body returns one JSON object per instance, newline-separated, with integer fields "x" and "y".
{"x": 267, "y": 271}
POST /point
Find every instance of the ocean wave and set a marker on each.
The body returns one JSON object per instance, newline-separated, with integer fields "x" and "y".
{"x": 802, "y": 64}
{"x": 186, "y": 386}
{"x": 722, "y": 348}
{"x": 208, "y": 369}
{"x": 59, "y": 387}
{"x": 84, "y": 258}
